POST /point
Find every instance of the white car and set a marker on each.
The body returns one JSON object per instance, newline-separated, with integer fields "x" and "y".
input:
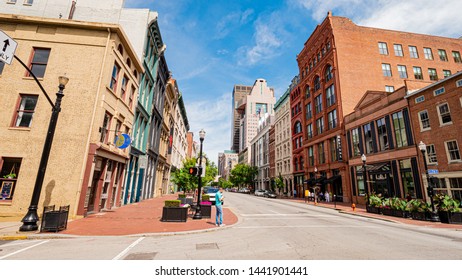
{"x": 260, "y": 192}
{"x": 211, "y": 192}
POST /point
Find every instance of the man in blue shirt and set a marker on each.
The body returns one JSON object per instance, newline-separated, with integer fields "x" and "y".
{"x": 219, "y": 208}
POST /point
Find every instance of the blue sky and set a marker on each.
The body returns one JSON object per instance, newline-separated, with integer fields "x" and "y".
{"x": 214, "y": 44}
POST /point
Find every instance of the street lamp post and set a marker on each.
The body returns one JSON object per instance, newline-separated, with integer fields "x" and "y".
{"x": 433, "y": 216}
{"x": 198, "y": 214}
{"x": 363, "y": 158}
{"x": 315, "y": 186}
{"x": 31, "y": 218}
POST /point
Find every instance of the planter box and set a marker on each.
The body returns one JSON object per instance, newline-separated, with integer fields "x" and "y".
{"x": 450, "y": 217}
{"x": 174, "y": 214}
{"x": 373, "y": 209}
{"x": 387, "y": 211}
{"x": 206, "y": 211}
{"x": 421, "y": 216}
{"x": 401, "y": 213}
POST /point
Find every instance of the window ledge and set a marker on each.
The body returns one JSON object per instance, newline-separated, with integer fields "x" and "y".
{"x": 455, "y": 161}
{"x": 446, "y": 124}
{"x": 425, "y": 129}
{"x": 32, "y": 78}
{"x": 6, "y": 202}
{"x": 19, "y": 128}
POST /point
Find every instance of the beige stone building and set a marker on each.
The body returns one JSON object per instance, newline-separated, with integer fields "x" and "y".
{"x": 85, "y": 168}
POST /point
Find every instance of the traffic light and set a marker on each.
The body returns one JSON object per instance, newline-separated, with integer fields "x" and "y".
{"x": 194, "y": 171}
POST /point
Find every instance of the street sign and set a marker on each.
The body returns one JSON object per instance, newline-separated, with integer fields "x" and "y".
{"x": 7, "y": 47}
{"x": 123, "y": 141}
{"x": 433, "y": 171}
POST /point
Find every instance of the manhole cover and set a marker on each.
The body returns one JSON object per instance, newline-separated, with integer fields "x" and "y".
{"x": 141, "y": 256}
{"x": 206, "y": 246}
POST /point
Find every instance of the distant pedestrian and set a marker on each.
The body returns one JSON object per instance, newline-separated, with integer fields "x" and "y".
{"x": 327, "y": 196}
{"x": 219, "y": 208}
{"x": 295, "y": 193}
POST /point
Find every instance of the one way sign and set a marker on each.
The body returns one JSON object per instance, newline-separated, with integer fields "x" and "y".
{"x": 7, "y": 47}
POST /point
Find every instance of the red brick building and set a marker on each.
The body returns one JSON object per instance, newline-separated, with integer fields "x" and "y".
{"x": 436, "y": 112}
{"x": 296, "y": 114}
{"x": 340, "y": 61}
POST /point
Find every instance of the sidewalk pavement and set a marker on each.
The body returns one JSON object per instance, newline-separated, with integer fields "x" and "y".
{"x": 143, "y": 218}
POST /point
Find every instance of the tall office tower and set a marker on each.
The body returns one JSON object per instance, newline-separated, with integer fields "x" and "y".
{"x": 239, "y": 93}
{"x": 339, "y": 62}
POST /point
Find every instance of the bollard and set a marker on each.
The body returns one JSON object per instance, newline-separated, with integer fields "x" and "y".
{"x": 353, "y": 206}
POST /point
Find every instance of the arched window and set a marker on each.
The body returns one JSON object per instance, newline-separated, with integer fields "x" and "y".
{"x": 296, "y": 164}
{"x": 129, "y": 62}
{"x": 301, "y": 163}
{"x": 120, "y": 49}
{"x": 317, "y": 83}
{"x": 328, "y": 74}
{"x": 298, "y": 127}
{"x": 307, "y": 92}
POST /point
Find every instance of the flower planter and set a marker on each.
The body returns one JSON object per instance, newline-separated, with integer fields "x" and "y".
{"x": 421, "y": 216}
{"x": 400, "y": 213}
{"x": 387, "y": 211}
{"x": 206, "y": 210}
{"x": 174, "y": 214}
{"x": 374, "y": 209}
{"x": 450, "y": 217}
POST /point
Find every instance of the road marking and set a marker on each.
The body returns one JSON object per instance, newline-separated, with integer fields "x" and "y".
{"x": 312, "y": 226}
{"x": 284, "y": 215}
{"x": 22, "y": 250}
{"x": 119, "y": 256}
{"x": 274, "y": 212}
{"x": 22, "y": 243}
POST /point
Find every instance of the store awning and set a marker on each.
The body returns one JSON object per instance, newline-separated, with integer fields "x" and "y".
{"x": 310, "y": 181}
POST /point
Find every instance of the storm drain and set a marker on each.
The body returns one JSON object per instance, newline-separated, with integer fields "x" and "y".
{"x": 206, "y": 246}
{"x": 141, "y": 256}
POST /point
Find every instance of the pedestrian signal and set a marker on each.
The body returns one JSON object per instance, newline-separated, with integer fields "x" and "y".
{"x": 194, "y": 171}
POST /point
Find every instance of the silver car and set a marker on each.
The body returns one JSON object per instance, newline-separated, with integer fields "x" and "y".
{"x": 260, "y": 192}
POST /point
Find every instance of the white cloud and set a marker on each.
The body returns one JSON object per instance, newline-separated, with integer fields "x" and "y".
{"x": 214, "y": 116}
{"x": 232, "y": 21}
{"x": 423, "y": 16}
{"x": 266, "y": 44}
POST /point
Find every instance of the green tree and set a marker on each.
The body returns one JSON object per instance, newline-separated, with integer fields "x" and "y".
{"x": 188, "y": 182}
{"x": 225, "y": 184}
{"x": 243, "y": 174}
{"x": 279, "y": 183}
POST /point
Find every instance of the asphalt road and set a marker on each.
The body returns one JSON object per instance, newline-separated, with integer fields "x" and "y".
{"x": 268, "y": 229}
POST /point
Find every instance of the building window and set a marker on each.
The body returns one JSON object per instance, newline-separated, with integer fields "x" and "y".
{"x": 123, "y": 88}
{"x": 398, "y": 49}
{"x": 383, "y": 48}
{"x": 2, "y": 65}
{"x": 309, "y": 131}
{"x": 456, "y": 56}
{"x": 428, "y": 53}
{"x": 453, "y": 150}
{"x": 400, "y": 129}
{"x": 413, "y": 52}
{"x": 459, "y": 83}
{"x": 407, "y": 178}
{"x": 328, "y": 46}
{"x": 431, "y": 154}
{"x": 25, "y": 111}
{"x": 402, "y": 71}
{"x": 446, "y": 73}
{"x": 104, "y": 137}
{"x": 355, "y": 142}
{"x": 368, "y": 138}
{"x": 444, "y": 114}
{"x": 320, "y": 125}
{"x": 332, "y": 119}
{"x": 330, "y": 95}
{"x": 298, "y": 128}
{"x": 439, "y": 91}
{"x": 424, "y": 120}
{"x": 317, "y": 83}
{"x": 432, "y": 74}
{"x": 307, "y": 92}
{"x": 386, "y": 69}
{"x": 318, "y": 103}
{"x": 360, "y": 180}
{"x": 8, "y": 185}
{"x": 328, "y": 73}
{"x": 310, "y": 156}
{"x": 39, "y": 61}
{"x": 321, "y": 157}
{"x": 382, "y": 133}
{"x": 443, "y": 55}
{"x": 389, "y": 88}
{"x": 11, "y": 1}
{"x": 131, "y": 97}
{"x": 114, "y": 77}
{"x": 417, "y": 73}
{"x": 419, "y": 99}
{"x": 333, "y": 149}
{"x": 28, "y": 2}
{"x": 309, "y": 112}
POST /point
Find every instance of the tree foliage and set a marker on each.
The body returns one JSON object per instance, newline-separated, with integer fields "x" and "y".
{"x": 243, "y": 174}
{"x": 279, "y": 182}
{"x": 188, "y": 182}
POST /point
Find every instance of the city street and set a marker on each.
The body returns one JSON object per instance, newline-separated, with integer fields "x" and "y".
{"x": 268, "y": 229}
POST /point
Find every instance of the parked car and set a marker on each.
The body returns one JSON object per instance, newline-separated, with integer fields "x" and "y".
{"x": 270, "y": 194}
{"x": 259, "y": 192}
{"x": 244, "y": 190}
{"x": 211, "y": 191}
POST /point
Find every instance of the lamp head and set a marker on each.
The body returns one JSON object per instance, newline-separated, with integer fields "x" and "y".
{"x": 202, "y": 134}
{"x": 363, "y": 158}
{"x": 422, "y": 147}
{"x": 315, "y": 169}
{"x": 63, "y": 80}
